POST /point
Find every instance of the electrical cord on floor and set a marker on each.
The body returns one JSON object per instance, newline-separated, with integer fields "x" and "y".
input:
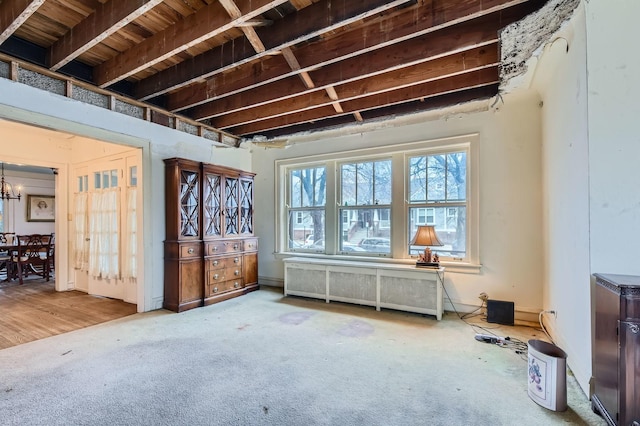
{"x": 542, "y": 324}
{"x": 518, "y": 346}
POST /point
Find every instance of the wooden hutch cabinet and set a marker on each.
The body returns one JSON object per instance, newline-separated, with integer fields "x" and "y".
{"x": 616, "y": 349}
{"x": 211, "y": 253}
{"x": 231, "y": 250}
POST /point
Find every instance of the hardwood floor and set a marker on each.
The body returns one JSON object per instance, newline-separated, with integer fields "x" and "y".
{"x": 35, "y": 310}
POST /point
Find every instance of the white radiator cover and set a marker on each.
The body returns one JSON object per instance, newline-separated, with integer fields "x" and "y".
{"x": 383, "y": 285}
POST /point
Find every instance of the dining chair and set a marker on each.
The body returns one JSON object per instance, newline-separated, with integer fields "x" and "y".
{"x": 52, "y": 253}
{"x": 32, "y": 255}
{"x": 6, "y": 245}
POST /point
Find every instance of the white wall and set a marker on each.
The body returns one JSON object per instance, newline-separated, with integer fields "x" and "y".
{"x": 561, "y": 80}
{"x": 32, "y": 184}
{"x": 510, "y": 198}
{"x": 28, "y": 105}
{"x": 614, "y": 138}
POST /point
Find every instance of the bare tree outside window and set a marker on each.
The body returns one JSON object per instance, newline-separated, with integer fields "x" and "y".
{"x": 440, "y": 182}
{"x": 307, "y": 196}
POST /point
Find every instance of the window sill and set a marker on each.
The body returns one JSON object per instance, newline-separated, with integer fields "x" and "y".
{"x": 454, "y": 267}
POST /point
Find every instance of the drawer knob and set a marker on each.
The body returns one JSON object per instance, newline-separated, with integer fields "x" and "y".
{"x": 215, "y": 248}
{"x": 215, "y": 276}
{"x": 634, "y": 328}
{"x": 236, "y": 260}
{"x": 235, "y": 247}
{"x": 237, "y": 272}
{"x": 190, "y": 251}
{"x": 215, "y": 263}
{"x": 215, "y": 289}
{"x": 236, "y": 284}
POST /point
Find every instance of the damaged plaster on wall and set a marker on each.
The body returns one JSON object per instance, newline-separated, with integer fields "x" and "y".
{"x": 526, "y": 38}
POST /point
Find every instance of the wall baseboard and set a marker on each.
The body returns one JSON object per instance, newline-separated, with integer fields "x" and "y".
{"x": 271, "y": 282}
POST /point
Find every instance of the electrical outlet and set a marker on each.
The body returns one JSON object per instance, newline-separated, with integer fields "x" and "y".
{"x": 483, "y": 296}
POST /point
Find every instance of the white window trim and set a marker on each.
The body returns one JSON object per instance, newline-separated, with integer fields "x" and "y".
{"x": 399, "y": 207}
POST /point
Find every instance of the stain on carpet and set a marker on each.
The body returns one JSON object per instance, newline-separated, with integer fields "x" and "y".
{"x": 356, "y": 328}
{"x": 295, "y": 318}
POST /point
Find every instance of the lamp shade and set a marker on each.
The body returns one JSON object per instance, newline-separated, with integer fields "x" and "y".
{"x": 426, "y": 236}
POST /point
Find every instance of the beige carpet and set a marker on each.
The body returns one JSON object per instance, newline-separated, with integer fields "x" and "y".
{"x": 263, "y": 359}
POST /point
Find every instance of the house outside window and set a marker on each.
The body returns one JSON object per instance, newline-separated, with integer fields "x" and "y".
{"x": 370, "y": 202}
{"x": 306, "y": 196}
{"x": 365, "y": 198}
{"x": 438, "y": 184}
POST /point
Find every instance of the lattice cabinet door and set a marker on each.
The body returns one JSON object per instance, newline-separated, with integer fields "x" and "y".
{"x": 246, "y": 206}
{"x": 189, "y": 203}
{"x": 212, "y": 205}
{"x": 231, "y": 206}
{"x": 183, "y": 207}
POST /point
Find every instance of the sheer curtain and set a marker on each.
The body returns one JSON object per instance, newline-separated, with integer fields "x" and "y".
{"x": 104, "y": 224}
{"x": 129, "y": 269}
{"x": 81, "y": 222}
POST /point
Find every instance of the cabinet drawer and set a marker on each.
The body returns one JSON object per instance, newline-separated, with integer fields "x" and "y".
{"x": 224, "y": 262}
{"x": 216, "y": 288}
{"x": 251, "y": 244}
{"x": 219, "y": 275}
{"x": 221, "y": 247}
{"x": 190, "y": 250}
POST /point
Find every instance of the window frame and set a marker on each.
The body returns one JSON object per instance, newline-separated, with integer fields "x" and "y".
{"x": 399, "y": 155}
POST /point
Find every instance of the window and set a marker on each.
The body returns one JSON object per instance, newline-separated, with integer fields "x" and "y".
{"x": 1, "y": 216}
{"x": 306, "y": 196}
{"x": 365, "y": 202}
{"x": 370, "y": 202}
{"x": 440, "y": 181}
{"x": 425, "y": 216}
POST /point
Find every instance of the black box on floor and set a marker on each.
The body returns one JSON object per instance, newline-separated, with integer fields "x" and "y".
{"x": 500, "y": 312}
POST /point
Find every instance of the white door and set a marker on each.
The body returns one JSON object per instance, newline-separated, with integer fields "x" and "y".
{"x": 106, "y": 216}
{"x": 106, "y": 219}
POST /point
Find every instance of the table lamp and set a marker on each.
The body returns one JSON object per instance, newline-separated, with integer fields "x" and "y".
{"x": 426, "y": 236}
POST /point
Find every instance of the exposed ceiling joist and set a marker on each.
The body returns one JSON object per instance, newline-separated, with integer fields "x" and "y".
{"x": 406, "y": 25}
{"x": 319, "y": 18}
{"x": 208, "y": 22}
{"x": 460, "y": 63}
{"x": 410, "y": 52}
{"x": 106, "y": 20}
{"x": 13, "y": 13}
{"x": 266, "y": 68}
{"x": 483, "y": 77}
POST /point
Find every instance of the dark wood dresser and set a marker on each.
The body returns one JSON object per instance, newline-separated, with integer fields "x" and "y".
{"x": 616, "y": 349}
{"x": 211, "y": 252}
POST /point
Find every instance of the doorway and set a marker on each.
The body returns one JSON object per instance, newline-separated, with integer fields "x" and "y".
{"x": 62, "y": 153}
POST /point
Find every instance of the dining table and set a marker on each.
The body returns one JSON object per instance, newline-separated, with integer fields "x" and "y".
{"x": 9, "y": 252}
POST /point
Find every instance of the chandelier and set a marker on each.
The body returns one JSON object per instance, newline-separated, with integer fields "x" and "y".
{"x": 6, "y": 189}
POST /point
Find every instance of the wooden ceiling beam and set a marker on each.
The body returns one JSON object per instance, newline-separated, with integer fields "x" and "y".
{"x": 411, "y": 107}
{"x": 420, "y": 49}
{"x": 13, "y": 13}
{"x": 460, "y": 63}
{"x": 301, "y": 4}
{"x": 295, "y": 66}
{"x": 412, "y": 22}
{"x": 208, "y": 22}
{"x": 426, "y": 90}
{"x": 312, "y": 21}
{"x": 108, "y": 18}
{"x": 249, "y": 32}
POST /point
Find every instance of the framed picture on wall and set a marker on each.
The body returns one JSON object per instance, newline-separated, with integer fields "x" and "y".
{"x": 41, "y": 208}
